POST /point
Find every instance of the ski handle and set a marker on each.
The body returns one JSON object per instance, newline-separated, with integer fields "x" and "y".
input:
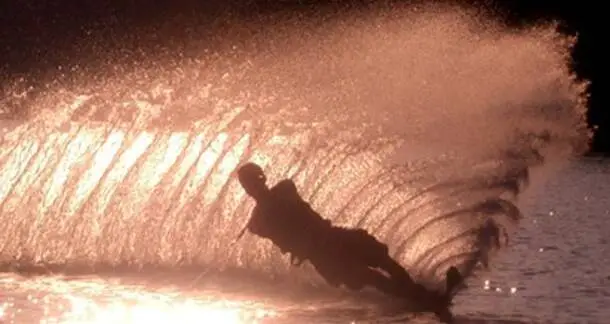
{"x": 241, "y": 233}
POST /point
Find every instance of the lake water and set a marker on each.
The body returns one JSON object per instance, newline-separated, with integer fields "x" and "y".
{"x": 555, "y": 271}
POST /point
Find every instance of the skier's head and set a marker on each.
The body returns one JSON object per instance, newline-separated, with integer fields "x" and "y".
{"x": 252, "y": 179}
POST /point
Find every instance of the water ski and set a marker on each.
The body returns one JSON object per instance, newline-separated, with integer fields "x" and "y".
{"x": 439, "y": 303}
{"x": 453, "y": 282}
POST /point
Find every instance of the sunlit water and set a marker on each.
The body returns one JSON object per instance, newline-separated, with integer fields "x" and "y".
{"x": 553, "y": 272}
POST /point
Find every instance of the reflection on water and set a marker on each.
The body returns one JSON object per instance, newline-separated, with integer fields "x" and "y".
{"x": 215, "y": 299}
{"x": 50, "y": 300}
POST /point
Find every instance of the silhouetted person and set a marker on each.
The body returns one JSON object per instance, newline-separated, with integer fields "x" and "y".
{"x": 342, "y": 256}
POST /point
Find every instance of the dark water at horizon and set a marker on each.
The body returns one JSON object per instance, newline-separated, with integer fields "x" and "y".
{"x": 557, "y": 262}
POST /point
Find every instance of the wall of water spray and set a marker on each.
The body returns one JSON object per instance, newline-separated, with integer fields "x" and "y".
{"x": 423, "y": 127}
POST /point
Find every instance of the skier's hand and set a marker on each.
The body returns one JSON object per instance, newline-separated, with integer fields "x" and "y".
{"x": 295, "y": 260}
